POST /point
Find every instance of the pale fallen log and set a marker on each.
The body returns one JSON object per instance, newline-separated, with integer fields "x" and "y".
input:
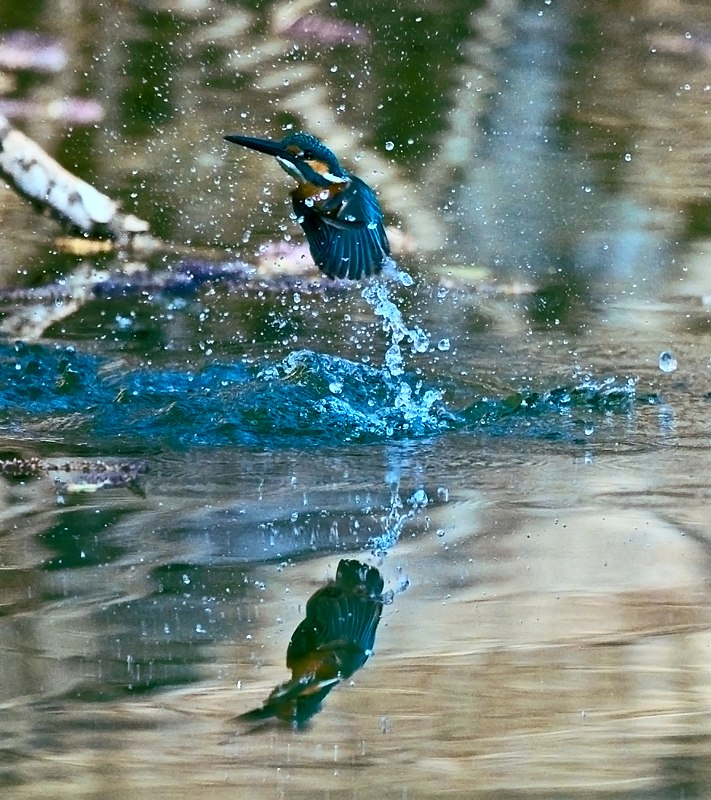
{"x": 35, "y": 175}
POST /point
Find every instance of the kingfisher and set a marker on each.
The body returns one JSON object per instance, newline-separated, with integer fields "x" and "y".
{"x": 339, "y": 212}
{"x": 329, "y": 645}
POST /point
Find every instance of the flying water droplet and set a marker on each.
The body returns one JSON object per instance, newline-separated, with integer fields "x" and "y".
{"x": 419, "y": 498}
{"x": 420, "y": 340}
{"x": 392, "y": 272}
{"x": 393, "y": 360}
{"x": 389, "y": 145}
{"x": 667, "y": 361}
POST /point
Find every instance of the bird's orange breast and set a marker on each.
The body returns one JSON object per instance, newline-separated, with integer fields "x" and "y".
{"x": 305, "y": 190}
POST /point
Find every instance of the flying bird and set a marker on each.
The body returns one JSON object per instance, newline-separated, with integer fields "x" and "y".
{"x": 339, "y": 212}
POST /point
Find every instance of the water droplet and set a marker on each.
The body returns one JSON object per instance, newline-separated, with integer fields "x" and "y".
{"x": 443, "y": 345}
{"x": 335, "y": 387}
{"x": 667, "y": 361}
{"x": 389, "y": 145}
{"x": 420, "y": 340}
{"x": 419, "y": 498}
{"x": 405, "y": 278}
{"x": 628, "y": 156}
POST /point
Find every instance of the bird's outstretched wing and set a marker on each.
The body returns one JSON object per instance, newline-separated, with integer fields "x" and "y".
{"x": 345, "y": 233}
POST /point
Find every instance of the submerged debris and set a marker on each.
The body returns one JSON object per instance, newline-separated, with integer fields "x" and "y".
{"x": 19, "y": 468}
{"x": 73, "y": 477}
{"x": 31, "y": 310}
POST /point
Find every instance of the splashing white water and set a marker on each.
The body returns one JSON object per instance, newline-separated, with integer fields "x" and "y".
{"x": 376, "y": 294}
{"x": 396, "y": 518}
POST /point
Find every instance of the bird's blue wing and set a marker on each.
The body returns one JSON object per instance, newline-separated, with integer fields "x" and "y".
{"x": 346, "y": 233}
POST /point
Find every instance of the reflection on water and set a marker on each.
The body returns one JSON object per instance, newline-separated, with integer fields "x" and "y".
{"x": 527, "y": 463}
{"x": 333, "y": 641}
{"x": 553, "y": 638}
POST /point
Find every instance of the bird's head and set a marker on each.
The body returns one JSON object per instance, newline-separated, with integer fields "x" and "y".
{"x": 301, "y": 155}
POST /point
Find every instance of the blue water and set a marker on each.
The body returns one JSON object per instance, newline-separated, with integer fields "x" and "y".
{"x": 304, "y": 398}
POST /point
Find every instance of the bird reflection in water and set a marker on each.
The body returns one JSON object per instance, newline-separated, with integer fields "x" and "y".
{"x": 328, "y": 646}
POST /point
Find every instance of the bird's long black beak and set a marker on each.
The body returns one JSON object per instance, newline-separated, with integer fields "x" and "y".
{"x": 268, "y": 146}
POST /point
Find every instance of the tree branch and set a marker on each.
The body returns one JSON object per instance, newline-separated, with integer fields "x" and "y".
{"x": 37, "y": 177}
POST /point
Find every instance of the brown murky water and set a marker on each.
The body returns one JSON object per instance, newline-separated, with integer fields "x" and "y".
{"x": 550, "y": 631}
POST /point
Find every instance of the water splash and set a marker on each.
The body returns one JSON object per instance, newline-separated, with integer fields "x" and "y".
{"x": 307, "y": 397}
{"x": 369, "y": 403}
{"x": 376, "y": 294}
{"x": 395, "y": 520}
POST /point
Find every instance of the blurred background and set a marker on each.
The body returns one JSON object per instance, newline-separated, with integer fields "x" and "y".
{"x": 559, "y": 141}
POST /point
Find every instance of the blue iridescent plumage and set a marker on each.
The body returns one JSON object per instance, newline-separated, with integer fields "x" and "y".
{"x": 339, "y": 212}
